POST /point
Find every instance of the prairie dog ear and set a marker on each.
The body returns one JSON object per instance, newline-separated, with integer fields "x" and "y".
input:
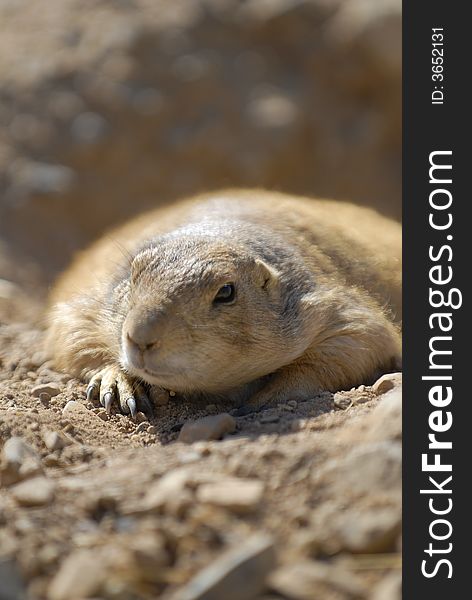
{"x": 266, "y": 275}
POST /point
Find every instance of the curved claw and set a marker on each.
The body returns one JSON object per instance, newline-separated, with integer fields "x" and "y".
{"x": 148, "y": 408}
{"x": 92, "y": 391}
{"x": 107, "y": 401}
{"x": 111, "y": 385}
{"x": 145, "y": 404}
{"x": 131, "y": 403}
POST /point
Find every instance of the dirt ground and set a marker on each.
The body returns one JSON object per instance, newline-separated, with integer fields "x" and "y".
{"x": 108, "y": 108}
{"x": 301, "y": 501}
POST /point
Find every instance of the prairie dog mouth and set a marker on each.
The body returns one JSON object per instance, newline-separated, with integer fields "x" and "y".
{"x": 163, "y": 379}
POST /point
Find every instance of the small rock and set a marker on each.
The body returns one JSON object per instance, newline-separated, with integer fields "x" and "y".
{"x": 102, "y": 414}
{"x": 239, "y": 573}
{"x": 213, "y": 427}
{"x": 389, "y": 588}
{"x": 237, "y": 495}
{"x": 315, "y": 579}
{"x": 34, "y": 492}
{"x": 385, "y": 421}
{"x": 342, "y": 400}
{"x": 51, "y": 460}
{"x": 189, "y": 457}
{"x": 19, "y": 461}
{"x": 163, "y": 492}
{"x": 386, "y": 383}
{"x": 142, "y": 427}
{"x": 148, "y": 555}
{"x": 75, "y": 410}
{"x": 54, "y": 440}
{"x": 141, "y": 417}
{"x": 380, "y": 464}
{"x": 368, "y": 533}
{"x": 51, "y": 389}
{"x": 74, "y": 406}
{"x": 158, "y": 396}
{"x": 44, "y": 398}
{"x": 80, "y": 574}
{"x": 152, "y": 429}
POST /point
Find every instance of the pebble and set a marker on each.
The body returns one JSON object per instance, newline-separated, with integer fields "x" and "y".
{"x": 237, "y": 495}
{"x": 385, "y": 421}
{"x": 152, "y": 429}
{"x": 46, "y": 388}
{"x": 342, "y": 400}
{"x": 163, "y": 492}
{"x": 74, "y": 406}
{"x": 142, "y": 427}
{"x": 51, "y": 460}
{"x": 141, "y": 417}
{"x": 389, "y": 588}
{"x": 370, "y": 532}
{"x": 19, "y": 461}
{"x": 386, "y": 383}
{"x": 189, "y": 457}
{"x": 37, "y": 491}
{"x": 240, "y": 572}
{"x": 159, "y": 396}
{"x": 81, "y": 573}
{"x": 380, "y": 464}
{"x": 102, "y": 414}
{"x": 315, "y": 579}
{"x": 77, "y": 410}
{"x": 44, "y": 398}
{"x": 213, "y": 427}
{"x": 54, "y": 440}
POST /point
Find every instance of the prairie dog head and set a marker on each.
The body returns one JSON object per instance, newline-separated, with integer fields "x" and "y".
{"x": 202, "y": 315}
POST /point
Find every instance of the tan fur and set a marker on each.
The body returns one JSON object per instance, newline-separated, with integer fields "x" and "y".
{"x": 318, "y": 293}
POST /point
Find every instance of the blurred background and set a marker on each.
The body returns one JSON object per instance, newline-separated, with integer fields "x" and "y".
{"x": 109, "y": 107}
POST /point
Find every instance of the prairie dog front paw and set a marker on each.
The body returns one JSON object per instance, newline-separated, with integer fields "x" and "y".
{"x": 111, "y": 385}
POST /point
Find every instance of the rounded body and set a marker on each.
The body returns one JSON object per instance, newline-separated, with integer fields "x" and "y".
{"x": 253, "y": 294}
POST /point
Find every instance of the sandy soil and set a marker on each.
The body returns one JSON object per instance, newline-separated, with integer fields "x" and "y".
{"x": 307, "y": 495}
{"x": 108, "y": 108}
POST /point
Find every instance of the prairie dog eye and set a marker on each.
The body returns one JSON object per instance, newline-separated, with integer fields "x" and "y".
{"x": 225, "y": 294}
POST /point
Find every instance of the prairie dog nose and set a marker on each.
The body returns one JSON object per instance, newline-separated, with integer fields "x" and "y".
{"x": 144, "y": 329}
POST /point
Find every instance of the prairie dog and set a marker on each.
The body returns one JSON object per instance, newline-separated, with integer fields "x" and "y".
{"x": 250, "y": 295}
